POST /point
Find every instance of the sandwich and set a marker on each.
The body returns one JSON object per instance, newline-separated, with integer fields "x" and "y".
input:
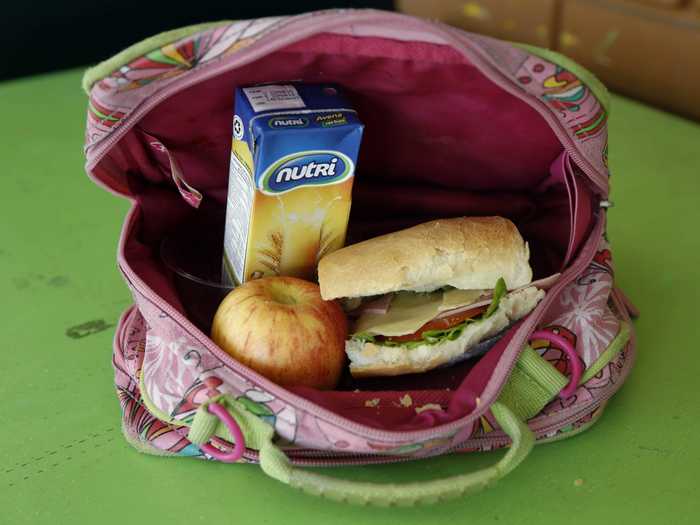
{"x": 424, "y": 297}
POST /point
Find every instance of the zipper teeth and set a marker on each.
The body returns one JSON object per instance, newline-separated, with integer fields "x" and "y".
{"x": 327, "y": 23}
{"x": 330, "y": 460}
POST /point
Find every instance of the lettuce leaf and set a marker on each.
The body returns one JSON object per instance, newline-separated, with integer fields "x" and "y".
{"x": 365, "y": 337}
{"x": 433, "y": 337}
{"x": 499, "y": 291}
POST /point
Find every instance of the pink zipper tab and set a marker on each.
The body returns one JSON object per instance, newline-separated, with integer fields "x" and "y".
{"x": 238, "y": 440}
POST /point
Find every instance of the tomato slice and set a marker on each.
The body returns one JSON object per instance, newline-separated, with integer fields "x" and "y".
{"x": 442, "y": 323}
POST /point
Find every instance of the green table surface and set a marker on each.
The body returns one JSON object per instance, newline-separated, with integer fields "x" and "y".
{"x": 62, "y": 456}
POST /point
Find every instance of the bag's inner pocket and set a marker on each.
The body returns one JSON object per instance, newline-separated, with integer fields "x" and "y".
{"x": 441, "y": 140}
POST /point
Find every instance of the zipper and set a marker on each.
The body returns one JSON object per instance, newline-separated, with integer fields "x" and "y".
{"x": 312, "y": 24}
{"x": 328, "y": 459}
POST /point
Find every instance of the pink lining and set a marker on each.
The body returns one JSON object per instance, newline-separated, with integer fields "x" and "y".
{"x": 441, "y": 140}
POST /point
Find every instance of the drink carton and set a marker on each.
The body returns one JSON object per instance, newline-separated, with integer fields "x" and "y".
{"x": 292, "y": 167}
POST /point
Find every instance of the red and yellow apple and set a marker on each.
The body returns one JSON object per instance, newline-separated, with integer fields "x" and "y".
{"x": 280, "y": 327}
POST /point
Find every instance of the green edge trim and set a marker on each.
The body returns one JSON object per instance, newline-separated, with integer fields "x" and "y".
{"x": 598, "y": 88}
{"x": 100, "y": 114}
{"x": 593, "y": 125}
{"x": 154, "y": 409}
{"x": 615, "y": 346}
{"x": 142, "y": 447}
{"x": 218, "y": 430}
{"x": 148, "y": 45}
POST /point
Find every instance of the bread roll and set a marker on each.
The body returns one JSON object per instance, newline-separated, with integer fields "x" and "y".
{"x": 469, "y": 253}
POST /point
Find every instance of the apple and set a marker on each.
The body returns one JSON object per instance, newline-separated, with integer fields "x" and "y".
{"x": 280, "y": 327}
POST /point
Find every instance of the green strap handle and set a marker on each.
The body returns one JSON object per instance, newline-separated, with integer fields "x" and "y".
{"x": 105, "y": 68}
{"x": 275, "y": 463}
{"x": 406, "y": 494}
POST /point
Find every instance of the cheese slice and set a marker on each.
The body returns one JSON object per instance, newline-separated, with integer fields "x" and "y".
{"x": 455, "y": 298}
{"x": 407, "y": 313}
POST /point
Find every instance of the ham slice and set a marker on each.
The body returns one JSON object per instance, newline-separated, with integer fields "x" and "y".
{"x": 542, "y": 284}
{"x": 454, "y": 311}
{"x": 380, "y": 306}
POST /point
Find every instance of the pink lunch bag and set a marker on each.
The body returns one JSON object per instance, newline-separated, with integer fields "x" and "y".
{"x": 456, "y": 124}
